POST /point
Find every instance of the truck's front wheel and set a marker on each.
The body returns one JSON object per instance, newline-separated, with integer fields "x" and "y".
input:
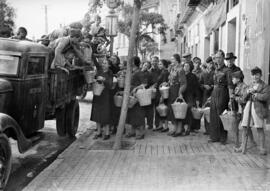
{"x": 5, "y": 160}
{"x": 72, "y": 118}
{"x": 60, "y": 121}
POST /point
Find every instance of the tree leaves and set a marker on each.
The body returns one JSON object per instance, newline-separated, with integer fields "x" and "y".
{"x": 7, "y": 15}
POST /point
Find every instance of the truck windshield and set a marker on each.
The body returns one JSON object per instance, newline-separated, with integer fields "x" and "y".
{"x": 8, "y": 65}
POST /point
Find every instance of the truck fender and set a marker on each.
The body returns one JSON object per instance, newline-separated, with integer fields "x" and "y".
{"x": 12, "y": 129}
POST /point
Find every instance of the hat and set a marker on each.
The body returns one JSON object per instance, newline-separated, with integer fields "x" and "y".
{"x": 256, "y": 70}
{"x": 238, "y": 74}
{"x": 209, "y": 59}
{"x": 229, "y": 56}
{"x": 76, "y": 25}
{"x": 186, "y": 54}
{"x": 75, "y": 33}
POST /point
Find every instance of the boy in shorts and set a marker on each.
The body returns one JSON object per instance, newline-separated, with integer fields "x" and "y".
{"x": 257, "y": 96}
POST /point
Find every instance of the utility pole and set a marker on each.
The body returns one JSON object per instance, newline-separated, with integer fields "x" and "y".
{"x": 46, "y": 18}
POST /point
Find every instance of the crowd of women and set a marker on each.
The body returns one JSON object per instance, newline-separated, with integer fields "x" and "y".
{"x": 213, "y": 83}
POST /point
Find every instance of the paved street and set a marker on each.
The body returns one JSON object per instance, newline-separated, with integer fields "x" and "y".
{"x": 159, "y": 162}
{"x": 29, "y": 164}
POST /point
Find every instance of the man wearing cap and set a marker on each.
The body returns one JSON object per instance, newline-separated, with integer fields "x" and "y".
{"x": 187, "y": 59}
{"x": 256, "y": 109}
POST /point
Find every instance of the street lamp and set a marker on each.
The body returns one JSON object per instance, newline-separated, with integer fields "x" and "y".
{"x": 112, "y": 21}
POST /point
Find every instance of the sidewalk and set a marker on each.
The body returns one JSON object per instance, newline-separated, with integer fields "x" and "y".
{"x": 159, "y": 163}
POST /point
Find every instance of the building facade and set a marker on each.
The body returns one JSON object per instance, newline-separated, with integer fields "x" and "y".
{"x": 168, "y": 9}
{"x": 241, "y": 27}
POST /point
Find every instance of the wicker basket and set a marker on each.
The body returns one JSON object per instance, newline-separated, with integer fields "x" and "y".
{"x": 98, "y": 88}
{"x": 179, "y": 108}
{"x": 121, "y": 82}
{"x": 196, "y": 113}
{"x": 164, "y": 91}
{"x": 227, "y": 120}
{"x": 144, "y": 96}
{"x": 132, "y": 101}
{"x": 118, "y": 99}
{"x": 162, "y": 110}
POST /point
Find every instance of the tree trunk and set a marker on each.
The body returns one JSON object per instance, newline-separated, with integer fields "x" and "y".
{"x": 134, "y": 28}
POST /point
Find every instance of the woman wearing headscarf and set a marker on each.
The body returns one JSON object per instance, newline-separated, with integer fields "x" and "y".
{"x": 177, "y": 83}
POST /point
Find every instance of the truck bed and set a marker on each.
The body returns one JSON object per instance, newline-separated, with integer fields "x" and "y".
{"x": 63, "y": 87}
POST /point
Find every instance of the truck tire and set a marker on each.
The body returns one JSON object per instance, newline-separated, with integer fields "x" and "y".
{"x": 5, "y": 160}
{"x": 72, "y": 118}
{"x": 60, "y": 121}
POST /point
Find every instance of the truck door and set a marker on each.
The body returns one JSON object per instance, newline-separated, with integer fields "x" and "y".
{"x": 35, "y": 93}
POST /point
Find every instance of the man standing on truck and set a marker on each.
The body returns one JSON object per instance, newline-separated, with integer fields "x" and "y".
{"x": 21, "y": 34}
{"x": 62, "y": 46}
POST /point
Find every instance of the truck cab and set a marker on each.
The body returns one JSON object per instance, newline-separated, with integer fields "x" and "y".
{"x": 31, "y": 92}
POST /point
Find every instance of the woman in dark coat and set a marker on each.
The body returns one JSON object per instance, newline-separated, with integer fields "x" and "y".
{"x": 114, "y": 65}
{"x": 177, "y": 83}
{"x": 136, "y": 114}
{"x": 192, "y": 97}
{"x": 162, "y": 78}
{"x": 101, "y": 113}
{"x": 219, "y": 99}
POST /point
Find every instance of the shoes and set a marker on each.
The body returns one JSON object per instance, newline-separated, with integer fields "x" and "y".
{"x": 106, "y": 137}
{"x": 212, "y": 141}
{"x": 139, "y": 137}
{"x": 158, "y": 129}
{"x": 164, "y": 130}
{"x": 263, "y": 152}
{"x": 171, "y": 133}
{"x": 177, "y": 134}
{"x": 186, "y": 133}
{"x": 97, "y": 136}
{"x": 129, "y": 135}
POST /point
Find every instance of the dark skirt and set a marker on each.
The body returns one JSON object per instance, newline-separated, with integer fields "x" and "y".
{"x": 101, "y": 108}
{"x": 173, "y": 94}
{"x": 136, "y": 116}
{"x": 219, "y": 102}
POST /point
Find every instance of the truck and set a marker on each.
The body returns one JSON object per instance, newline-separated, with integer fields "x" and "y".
{"x": 30, "y": 93}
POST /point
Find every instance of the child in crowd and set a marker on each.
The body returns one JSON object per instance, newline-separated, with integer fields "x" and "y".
{"x": 256, "y": 109}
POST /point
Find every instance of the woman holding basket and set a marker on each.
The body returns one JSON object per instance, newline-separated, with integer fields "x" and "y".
{"x": 162, "y": 80}
{"x": 101, "y": 103}
{"x": 177, "y": 83}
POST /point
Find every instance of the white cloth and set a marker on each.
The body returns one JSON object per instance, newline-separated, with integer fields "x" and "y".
{"x": 255, "y": 120}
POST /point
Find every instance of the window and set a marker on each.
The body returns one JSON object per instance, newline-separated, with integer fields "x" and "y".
{"x": 9, "y": 64}
{"x": 36, "y": 65}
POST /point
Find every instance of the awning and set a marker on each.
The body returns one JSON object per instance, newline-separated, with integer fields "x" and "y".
{"x": 215, "y": 17}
